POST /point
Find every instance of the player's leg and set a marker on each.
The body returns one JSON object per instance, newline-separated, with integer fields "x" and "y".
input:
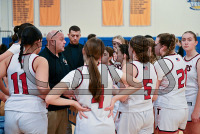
{"x": 11, "y": 125}
{"x": 34, "y": 123}
{"x": 130, "y": 123}
{"x": 168, "y": 120}
{"x": 191, "y": 127}
{"x": 148, "y": 122}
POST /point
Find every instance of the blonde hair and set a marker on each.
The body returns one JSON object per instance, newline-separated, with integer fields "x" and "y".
{"x": 119, "y": 37}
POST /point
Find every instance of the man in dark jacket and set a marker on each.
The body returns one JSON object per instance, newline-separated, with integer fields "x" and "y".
{"x": 73, "y": 51}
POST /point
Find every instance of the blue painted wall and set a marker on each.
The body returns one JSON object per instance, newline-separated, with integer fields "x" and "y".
{"x": 107, "y": 41}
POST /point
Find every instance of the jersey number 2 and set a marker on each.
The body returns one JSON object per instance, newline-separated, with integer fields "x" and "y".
{"x": 22, "y": 77}
{"x": 101, "y": 98}
{"x": 180, "y": 79}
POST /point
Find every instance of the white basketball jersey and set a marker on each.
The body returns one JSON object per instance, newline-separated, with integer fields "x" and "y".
{"x": 84, "y": 96}
{"x": 98, "y": 120}
{"x": 171, "y": 72}
{"x": 192, "y": 86}
{"x": 22, "y": 86}
{"x": 141, "y": 100}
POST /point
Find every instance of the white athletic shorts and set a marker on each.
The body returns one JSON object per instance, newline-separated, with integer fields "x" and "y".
{"x": 136, "y": 123}
{"x": 170, "y": 120}
{"x": 94, "y": 125}
{"x": 27, "y": 123}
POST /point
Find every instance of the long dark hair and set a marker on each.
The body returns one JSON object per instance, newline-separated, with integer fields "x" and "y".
{"x": 18, "y": 31}
{"x": 29, "y": 36}
{"x": 140, "y": 45}
{"x": 110, "y": 52}
{"x": 124, "y": 50}
{"x": 94, "y": 49}
{"x": 168, "y": 40}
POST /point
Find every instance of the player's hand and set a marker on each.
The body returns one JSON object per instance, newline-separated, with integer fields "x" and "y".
{"x": 79, "y": 107}
{"x": 195, "y": 116}
{"x": 5, "y": 97}
{"x": 80, "y": 113}
{"x": 111, "y": 107}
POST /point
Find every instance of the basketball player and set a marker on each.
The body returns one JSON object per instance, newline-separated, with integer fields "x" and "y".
{"x": 116, "y": 41}
{"x": 136, "y": 113}
{"x": 189, "y": 43}
{"x": 93, "y": 91}
{"x": 15, "y": 48}
{"x": 171, "y": 109}
{"x": 122, "y": 58}
{"x": 107, "y": 56}
{"x": 25, "y": 110}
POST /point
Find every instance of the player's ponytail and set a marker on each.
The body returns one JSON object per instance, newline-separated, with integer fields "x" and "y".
{"x": 94, "y": 49}
{"x": 168, "y": 40}
{"x": 141, "y": 46}
{"x": 29, "y": 36}
{"x": 20, "y": 55}
{"x": 18, "y": 31}
{"x": 95, "y": 79}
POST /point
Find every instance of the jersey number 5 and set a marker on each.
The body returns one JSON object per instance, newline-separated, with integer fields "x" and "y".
{"x": 147, "y": 88}
{"x": 22, "y": 77}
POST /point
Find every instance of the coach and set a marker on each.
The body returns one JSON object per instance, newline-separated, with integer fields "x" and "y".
{"x": 57, "y": 115}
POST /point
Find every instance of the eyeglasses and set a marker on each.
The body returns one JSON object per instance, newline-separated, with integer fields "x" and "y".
{"x": 56, "y": 33}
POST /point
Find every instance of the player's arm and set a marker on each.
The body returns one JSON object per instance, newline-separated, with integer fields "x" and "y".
{"x": 160, "y": 74}
{"x": 130, "y": 82}
{"x": 195, "y": 113}
{"x": 128, "y": 76}
{"x": 132, "y": 85}
{"x": 3, "y": 97}
{"x": 3, "y": 88}
{"x": 3, "y": 69}
{"x": 42, "y": 76}
{"x": 5, "y": 55}
{"x": 54, "y": 98}
{"x": 54, "y": 95}
{"x": 155, "y": 94}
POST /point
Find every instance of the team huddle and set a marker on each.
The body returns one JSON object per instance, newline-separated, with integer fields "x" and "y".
{"x": 140, "y": 86}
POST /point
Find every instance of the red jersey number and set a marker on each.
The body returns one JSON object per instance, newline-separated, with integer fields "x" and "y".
{"x": 147, "y": 88}
{"x": 180, "y": 79}
{"x": 22, "y": 77}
